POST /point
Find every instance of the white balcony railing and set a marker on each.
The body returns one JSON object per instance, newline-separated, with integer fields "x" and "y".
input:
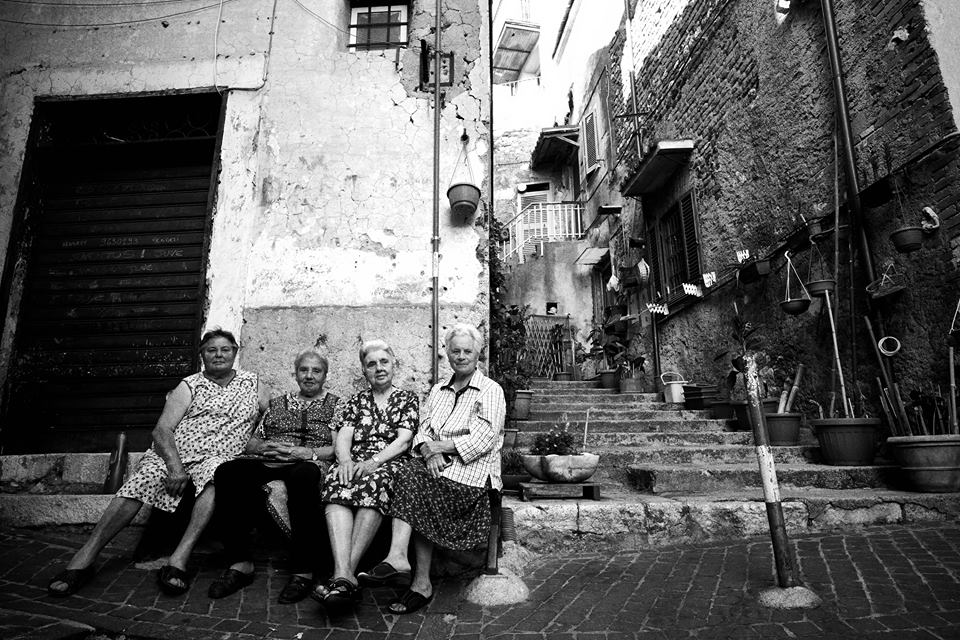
{"x": 542, "y": 222}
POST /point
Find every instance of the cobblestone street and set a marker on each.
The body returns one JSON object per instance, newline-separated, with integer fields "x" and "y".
{"x": 890, "y": 582}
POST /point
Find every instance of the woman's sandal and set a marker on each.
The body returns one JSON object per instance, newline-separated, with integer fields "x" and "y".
{"x": 296, "y": 589}
{"x": 73, "y": 578}
{"x": 341, "y": 593}
{"x": 229, "y": 582}
{"x": 385, "y": 574}
{"x": 320, "y": 591}
{"x": 166, "y": 577}
{"x": 409, "y": 602}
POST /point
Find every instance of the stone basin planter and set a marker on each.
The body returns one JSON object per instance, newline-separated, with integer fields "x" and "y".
{"x": 557, "y": 468}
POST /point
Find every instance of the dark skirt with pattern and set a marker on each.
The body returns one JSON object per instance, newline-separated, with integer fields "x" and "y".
{"x": 449, "y": 514}
{"x": 372, "y": 491}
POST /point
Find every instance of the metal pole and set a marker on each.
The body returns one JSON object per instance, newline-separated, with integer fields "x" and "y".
{"x": 782, "y": 554}
{"x": 435, "y": 240}
{"x": 843, "y": 113}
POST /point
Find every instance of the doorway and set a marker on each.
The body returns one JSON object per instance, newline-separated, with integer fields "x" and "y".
{"x": 105, "y": 275}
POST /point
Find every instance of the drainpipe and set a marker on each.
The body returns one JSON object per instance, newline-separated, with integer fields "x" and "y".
{"x": 654, "y": 335}
{"x": 850, "y": 164}
{"x": 435, "y": 240}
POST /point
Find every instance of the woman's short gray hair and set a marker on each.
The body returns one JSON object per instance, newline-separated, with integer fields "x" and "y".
{"x": 464, "y": 329}
{"x": 310, "y": 353}
{"x": 375, "y": 345}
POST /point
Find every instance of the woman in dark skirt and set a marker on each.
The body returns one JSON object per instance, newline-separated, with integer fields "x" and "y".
{"x": 442, "y": 493}
{"x": 374, "y": 437}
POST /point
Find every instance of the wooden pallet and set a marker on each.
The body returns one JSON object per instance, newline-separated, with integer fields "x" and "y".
{"x": 534, "y": 490}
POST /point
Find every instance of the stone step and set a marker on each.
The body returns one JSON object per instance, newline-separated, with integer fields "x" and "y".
{"x": 553, "y": 392}
{"x": 653, "y": 438}
{"x": 543, "y": 383}
{"x": 662, "y": 424}
{"x": 693, "y": 479}
{"x": 629, "y": 414}
{"x": 622, "y": 458}
{"x": 52, "y": 473}
{"x": 620, "y": 521}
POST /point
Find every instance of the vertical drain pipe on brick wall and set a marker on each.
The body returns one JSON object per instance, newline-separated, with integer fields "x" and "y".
{"x": 435, "y": 240}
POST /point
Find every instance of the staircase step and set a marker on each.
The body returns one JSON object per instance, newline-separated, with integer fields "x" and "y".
{"x": 36, "y": 510}
{"x": 68, "y": 473}
{"x": 664, "y": 424}
{"x": 539, "y": 384}
{"x": 623, "y": 520}
{"x": 548, "y": 412}
{"x": 654, "y": 438}
{"x": 664, "y": 479}
{"x": 621, "y": 458}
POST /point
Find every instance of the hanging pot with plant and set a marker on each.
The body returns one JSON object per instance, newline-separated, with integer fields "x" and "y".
{"x": 818, "y": 275}
{"x": 464, "y": 196}
{"x": 907, "y": 239}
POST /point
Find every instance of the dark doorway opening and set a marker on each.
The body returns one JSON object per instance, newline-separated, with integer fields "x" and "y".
{"x": 106, "y": 270}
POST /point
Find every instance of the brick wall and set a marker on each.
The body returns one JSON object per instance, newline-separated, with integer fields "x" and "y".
{"x": 757, "y": 98}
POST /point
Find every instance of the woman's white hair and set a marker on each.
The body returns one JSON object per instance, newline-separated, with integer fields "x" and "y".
{"x": 464, "y": 329}
{"x": 375, "y": 345}
{"x": 311, "y": 353}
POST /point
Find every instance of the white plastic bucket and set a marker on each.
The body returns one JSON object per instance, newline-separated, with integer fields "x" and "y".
{"x": 672, "y": 389}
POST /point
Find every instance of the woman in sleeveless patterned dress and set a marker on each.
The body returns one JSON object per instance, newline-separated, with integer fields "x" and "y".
{"x": 207, "y": 420}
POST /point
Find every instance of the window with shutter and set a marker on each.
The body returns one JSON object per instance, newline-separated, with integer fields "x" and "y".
{"x": 675, "y": 250}
{"x": 591, "y": 146}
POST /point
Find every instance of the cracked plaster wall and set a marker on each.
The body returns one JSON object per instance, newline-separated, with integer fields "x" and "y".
{"x": 325, "y": 194}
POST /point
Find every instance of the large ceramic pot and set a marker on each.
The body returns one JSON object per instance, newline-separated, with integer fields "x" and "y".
{"x": 556, "y": 468}
{"x": 847, "y": 441}
{"x": 930, "y": 463}
{"x": 521, "y": 404}
{"x": 783, "y": 429}
{"x": 610, "y": 379}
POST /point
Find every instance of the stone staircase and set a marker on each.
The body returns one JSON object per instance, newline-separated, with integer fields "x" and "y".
{"x": 670, "y": 474}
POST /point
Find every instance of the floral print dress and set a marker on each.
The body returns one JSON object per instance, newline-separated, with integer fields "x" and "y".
{"x": 373, "y": 430}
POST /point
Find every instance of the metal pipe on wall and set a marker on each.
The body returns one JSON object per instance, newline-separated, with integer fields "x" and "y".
{"x": 435, "y": 239}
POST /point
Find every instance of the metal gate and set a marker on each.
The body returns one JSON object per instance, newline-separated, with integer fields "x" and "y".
{"x": 546, "y": 337}
{"x": 115, "y": 247}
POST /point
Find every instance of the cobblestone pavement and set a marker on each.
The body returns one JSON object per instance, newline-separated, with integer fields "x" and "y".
{"x": 885, "y": 582}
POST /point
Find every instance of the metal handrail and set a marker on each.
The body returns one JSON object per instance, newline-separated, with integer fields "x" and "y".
{"x": 542, "y": 222}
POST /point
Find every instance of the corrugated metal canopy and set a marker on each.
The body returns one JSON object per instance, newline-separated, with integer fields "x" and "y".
{"x": 517, "y": 40}
{"x": 591, "y": 256}
{"x": 658, "y": 166}
{"x": 554, "y": 146}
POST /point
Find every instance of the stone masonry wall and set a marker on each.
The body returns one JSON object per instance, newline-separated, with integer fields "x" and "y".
{"x": 757, "y": 99}
{"x": 322, "y": 223}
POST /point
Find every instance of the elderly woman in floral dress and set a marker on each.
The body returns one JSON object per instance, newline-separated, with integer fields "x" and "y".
{"x": 374, "y": 436}
{"x": 207, "y": 420}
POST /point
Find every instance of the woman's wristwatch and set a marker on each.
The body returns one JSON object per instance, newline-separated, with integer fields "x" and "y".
{"x": 377, "y": 459}
{"x": 313, "y": 454}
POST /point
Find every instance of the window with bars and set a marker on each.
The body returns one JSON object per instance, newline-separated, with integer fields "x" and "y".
{"x": 675, "y": 252}
{"x": 378, "y": 26}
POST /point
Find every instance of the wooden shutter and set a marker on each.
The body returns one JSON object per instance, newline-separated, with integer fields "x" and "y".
{"x": 691, "y": 242}
{"x": 591, "y": 144}
{"x": 653, "y": 233}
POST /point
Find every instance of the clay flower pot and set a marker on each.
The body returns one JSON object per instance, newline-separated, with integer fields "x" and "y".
{"x": 847, "y": 441}
{"x": 556, "y": 468}
{"x": 521, "y": 404}
{"x": 795, "y": 306}
{"x": 907, "y": 239}
{"x": 783, "y": 429}
{"x": 821, "y": 287}
{"x": 930, "y": 463}
{"x": 464, "y": 198}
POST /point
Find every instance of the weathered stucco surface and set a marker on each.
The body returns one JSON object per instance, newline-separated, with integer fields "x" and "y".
{"x": 324, "y": 202}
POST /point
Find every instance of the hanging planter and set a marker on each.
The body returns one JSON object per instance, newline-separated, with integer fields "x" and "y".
{"x": 464, "y": 198}
{"x": 907, "y": 239}
{"x": 821, "y": 287}
{"x": 753, "y": 271}
{"x": 818, "y": 281}
{"x": 794, "y": 306}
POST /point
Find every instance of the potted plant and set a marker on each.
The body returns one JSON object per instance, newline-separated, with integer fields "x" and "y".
{"x": 554, "y": 457}
{"x": 512, "y": 471}
{"x": 927, "y": 448}
{"x": 511, "y": 363}
{"x": 907, "y": 239}
{"x": 753, "y": 270}
{"x": 745, "y": 339}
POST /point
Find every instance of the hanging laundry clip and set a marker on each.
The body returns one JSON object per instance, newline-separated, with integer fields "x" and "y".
{"x": 709, "y": 279}
{"x": 742, "y": 254}
{"x": 693, "y": 290}
{"x": 657, "y": 308}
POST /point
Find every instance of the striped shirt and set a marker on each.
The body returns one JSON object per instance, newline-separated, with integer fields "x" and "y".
{"x": 473, "y": 418}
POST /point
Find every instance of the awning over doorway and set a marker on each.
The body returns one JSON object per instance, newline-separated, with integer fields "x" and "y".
{"x": 591, "y": 256}
{"x": 658, "y": 166}
{"x": 555, "y": 146}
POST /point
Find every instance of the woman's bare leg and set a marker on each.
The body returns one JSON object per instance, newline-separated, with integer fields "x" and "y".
{"x": 340, "y": 525}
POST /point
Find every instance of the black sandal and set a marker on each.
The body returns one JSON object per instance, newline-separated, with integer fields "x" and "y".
{"x": 73, "y": 578}
{"x": 229, "y": 582}
{"x": 166, "y": 577}
{"x": 409, "y": 602}
{"x": 296, "y": 589}
{"x": 341, "y": 593}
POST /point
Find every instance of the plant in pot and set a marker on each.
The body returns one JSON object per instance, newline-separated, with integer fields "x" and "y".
{"x": 745, "y": 340}
{"x": 512, "y": 471}
{"x": 555, "y": 457}
{"x": 511, "y": 363}
{"x": 927, "y": 442}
